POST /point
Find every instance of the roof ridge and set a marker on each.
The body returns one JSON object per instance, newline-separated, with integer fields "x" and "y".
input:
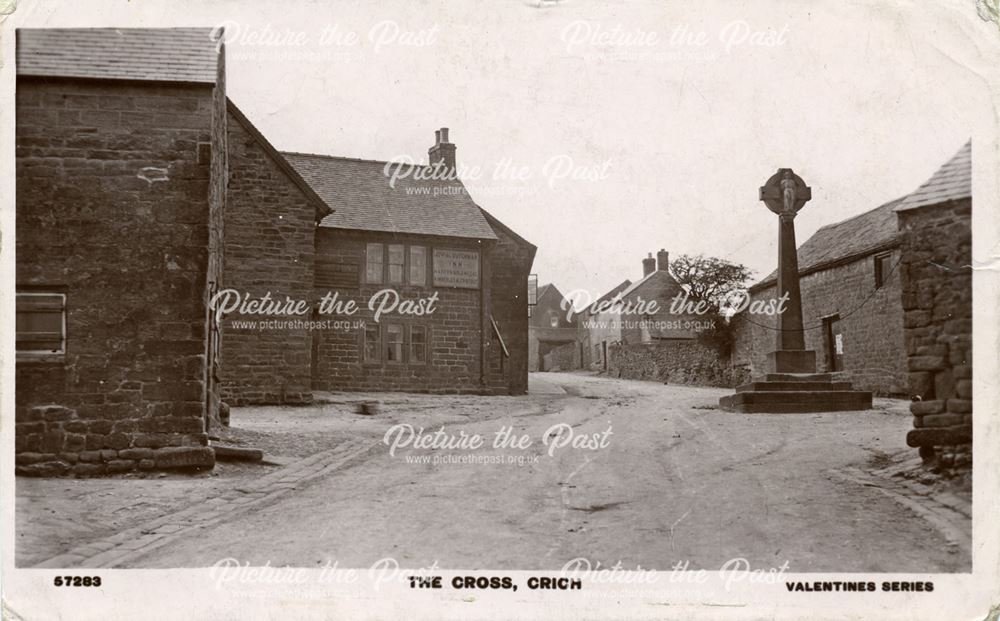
{"x": 347, "y": 158}
{"x": 862, "y": 214}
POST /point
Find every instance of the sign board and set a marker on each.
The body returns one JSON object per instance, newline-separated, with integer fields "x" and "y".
{"x": 532, "y": 289}
{"x": 456, "y": 268}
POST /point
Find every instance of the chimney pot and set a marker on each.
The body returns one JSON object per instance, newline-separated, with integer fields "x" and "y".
{"x": 442, "y": 151}
{"x": 648, "y": 265}
{"x": 662, "y": 260}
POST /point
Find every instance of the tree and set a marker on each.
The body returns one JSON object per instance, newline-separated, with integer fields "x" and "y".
{"x": 710, "y": 279}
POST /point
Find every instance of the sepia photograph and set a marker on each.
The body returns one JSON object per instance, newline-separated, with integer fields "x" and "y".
{"x": 527, "y": 309}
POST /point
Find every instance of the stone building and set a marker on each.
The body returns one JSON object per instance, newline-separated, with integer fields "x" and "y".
{"x": 270, "y": 236}
{"x": 600, "y": 330}
{"x": 553, "y": 333}
{"x": 936, "y": 229}
{"x": 120, "y": 168}
{"x": 143, "y": 192}
{"x": 632, "y": 338}
{"x": 451, "y": 278}
{"x": 851, "y": 309}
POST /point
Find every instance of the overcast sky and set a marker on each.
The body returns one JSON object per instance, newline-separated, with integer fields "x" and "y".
{"x": 674, "y": 113}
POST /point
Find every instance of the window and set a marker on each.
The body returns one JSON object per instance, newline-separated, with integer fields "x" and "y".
{"x": 394, "y": 343}
{"x": 554, "y": 321}
{"x": 397, "y": 255}
{"x": 883, "y": 269}
{"x": 418, "y": 265}
{"x": 373, "y": 263}
{"x": 418, "y": 344}
{"x": 373, "y": 340}
{"x": 40, "y": 323}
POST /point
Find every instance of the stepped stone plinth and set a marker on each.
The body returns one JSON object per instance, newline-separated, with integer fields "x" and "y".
{"x": 781, "y": 393}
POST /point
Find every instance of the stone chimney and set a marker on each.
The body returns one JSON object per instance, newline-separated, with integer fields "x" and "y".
{"x": 442, "y": 151}
{"x": 648, "y": 265}
{"x": 662, "y": 260}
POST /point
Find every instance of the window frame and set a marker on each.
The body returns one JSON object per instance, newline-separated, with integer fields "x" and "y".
{"x": 365, "y": 359}
{"x": 409, "y": 264}
{"x": 426, "y": 344}
{"x": 385, "y": 270}
{"x": 387, "y": 344}
{"x": 389, "y": 265}
{"x": 42, "y": 353}
{"x": 879, "y": 261}
{"x": 382, "y": 264}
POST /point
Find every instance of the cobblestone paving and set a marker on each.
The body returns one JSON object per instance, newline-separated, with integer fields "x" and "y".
{"x": 139, "y": 540}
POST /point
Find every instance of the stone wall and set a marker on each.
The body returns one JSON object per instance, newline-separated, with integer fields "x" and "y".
{"x": 454, "y": 329}
{"x": 680, "y": 361}
{"x": 113, "y": 210}
{"x": 217, "y": 193}
{"x": 937, "y": 301}
{"x": 270, "y": 243}
{"x": 871, "y": 321}
{"x": 565, "y": 357}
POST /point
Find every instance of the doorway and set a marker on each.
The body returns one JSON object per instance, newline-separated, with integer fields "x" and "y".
{"x": 834, "y": 341}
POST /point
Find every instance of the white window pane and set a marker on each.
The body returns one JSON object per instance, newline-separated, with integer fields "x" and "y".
{"x": 418, "y": 265}
{"x": 373, "y": 270}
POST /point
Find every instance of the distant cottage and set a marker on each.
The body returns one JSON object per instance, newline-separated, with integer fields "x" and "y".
{"x": 554, "y": 342}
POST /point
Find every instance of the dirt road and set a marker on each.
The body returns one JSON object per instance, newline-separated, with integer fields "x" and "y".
{"x": 664, "y": 478}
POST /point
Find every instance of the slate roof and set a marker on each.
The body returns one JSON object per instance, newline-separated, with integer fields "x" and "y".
{"x": 359, "y": 193}
{"x": 654, "y": 275}
{"x": 542, "y": 291}
{"x": 150, "y": 54}
{"x": 610, "y": 295}
{"x": 857, "y": 236}
{"x": 953, "y": 181}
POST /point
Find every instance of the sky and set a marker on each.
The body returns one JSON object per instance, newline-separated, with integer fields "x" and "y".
{"x": 604, "y": 130}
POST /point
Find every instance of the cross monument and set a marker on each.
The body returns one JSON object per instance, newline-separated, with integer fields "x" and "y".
{"x": 785, "y": 194}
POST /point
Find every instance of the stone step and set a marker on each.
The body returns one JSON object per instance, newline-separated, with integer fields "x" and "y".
{"x": 792, "y": 386}
{"x": 788, "y": 401}
{"x": 794, "y": 408}
{"x": 236, "y": 453}
{"x": 797, "y": 377}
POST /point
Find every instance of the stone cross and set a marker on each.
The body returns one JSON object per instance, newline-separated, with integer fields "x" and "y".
{"x": 785, "y": 194}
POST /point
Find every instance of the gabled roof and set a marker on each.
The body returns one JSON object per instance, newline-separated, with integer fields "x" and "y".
{"x": 652, "y": 277}
{"x": 497, "y": 224}
{"x": 610, "y": 295}
{"x": 953, "y": 181}
{"x": 545, "y": 289}
{"x": 846, "y": 240}
{"x": 359, "y": 192}
{"x": 150, "y": 54}
{"x": 322, "y": 209}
